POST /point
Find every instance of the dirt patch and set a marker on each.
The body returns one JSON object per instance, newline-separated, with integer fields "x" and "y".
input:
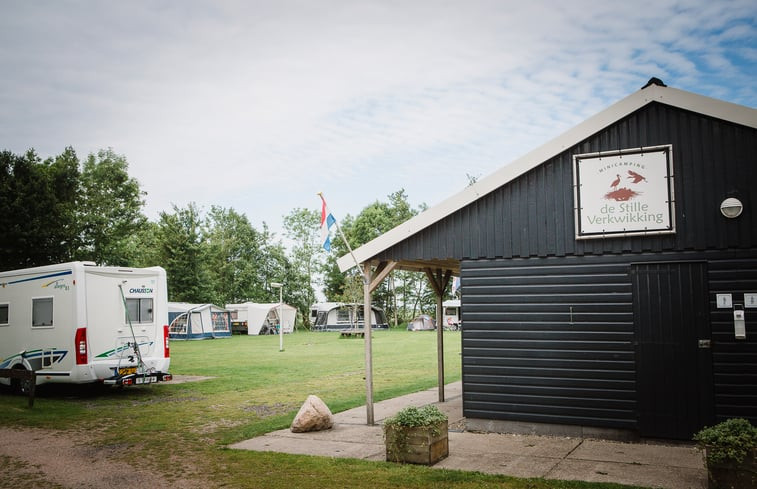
{"x": 267, "y": 410}
{"x": 180, "y": 379}
{"x": 53, "y": 459}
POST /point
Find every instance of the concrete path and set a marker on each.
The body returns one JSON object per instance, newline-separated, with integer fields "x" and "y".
{"x": 642, "y": 464}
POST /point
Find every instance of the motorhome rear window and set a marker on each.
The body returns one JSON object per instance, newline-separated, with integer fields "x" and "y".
{"x": 3, "y": 314}
{"x": 139, "y": 310}
{"x": 42, "y": 312}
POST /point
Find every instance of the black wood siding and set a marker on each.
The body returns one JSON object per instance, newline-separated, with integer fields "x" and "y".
{"x": 552, "y": 339}
{"x": 548, "y": 320}
{"x": 533, "y": 215}
{"x": 734, "y": 361}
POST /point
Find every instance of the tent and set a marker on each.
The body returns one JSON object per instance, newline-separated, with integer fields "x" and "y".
{"x": 338, "y": 316}
{"x": 257, "y": 319}
{"x": 197, "y": 321}
{"x": 424, "y": 322}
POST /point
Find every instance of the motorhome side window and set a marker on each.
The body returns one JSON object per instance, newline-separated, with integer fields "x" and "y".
{"x": 139, "y": 310}
{"x": 42, "y": 312}
{"x": 3, "y": 314}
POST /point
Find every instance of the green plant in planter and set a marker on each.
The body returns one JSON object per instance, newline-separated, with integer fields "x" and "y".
{"x": 729, "y": 441}
{"x": 416, "y": 435}
{"x": 730, "y": 454}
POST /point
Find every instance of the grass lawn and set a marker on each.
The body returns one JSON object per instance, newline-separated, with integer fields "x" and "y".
{"x": 256, "y": 389}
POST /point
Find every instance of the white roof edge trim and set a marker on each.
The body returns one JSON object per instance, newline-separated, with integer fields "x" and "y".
{"x": 728, "y": 111}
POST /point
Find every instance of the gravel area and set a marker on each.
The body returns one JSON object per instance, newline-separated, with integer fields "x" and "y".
{"x": 34, "y": 458}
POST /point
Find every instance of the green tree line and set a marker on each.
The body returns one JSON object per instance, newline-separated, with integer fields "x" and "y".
{"x": 64, "y": 208}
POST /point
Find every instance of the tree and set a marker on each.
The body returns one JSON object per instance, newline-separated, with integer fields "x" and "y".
{"x": 183, "y": 256}
{"x": 37, "y": 201}
{"x": 372, "y": 221}
{"x": 302, "y": 228}
{"x": 235, "y": 252}
{"x": 110, "y": 209}
{"x": 143, "y": 248}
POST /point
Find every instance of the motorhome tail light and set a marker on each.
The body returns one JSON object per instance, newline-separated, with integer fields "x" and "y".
{"x": 80, "y": 344}
{"x": 166, "y": 349}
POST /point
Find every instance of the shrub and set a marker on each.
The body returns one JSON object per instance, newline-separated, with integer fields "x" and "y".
{"x": 730, "y": 440}
{"x": 413, "y": 417}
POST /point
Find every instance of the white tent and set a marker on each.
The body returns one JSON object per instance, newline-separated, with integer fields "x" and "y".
{"x": 263, "y": 318}
{"x": 198, "y": 321}
{"x": 424, "y": 322}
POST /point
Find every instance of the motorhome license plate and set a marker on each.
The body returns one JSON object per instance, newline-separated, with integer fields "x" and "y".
{"x": 127, "y": 370}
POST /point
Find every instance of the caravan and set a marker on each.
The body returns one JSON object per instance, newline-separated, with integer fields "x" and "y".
{"x": 452, "y": 315}
{"x": 78, "y": 323}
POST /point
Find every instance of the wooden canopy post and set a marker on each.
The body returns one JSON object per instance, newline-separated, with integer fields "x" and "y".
{"x": 368, "y": 343}
{"x": 370, "y": 282}
{"x": 439, "y": 280}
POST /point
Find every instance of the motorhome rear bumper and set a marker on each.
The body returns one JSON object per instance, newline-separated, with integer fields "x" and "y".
{"x": 139, "y": 379}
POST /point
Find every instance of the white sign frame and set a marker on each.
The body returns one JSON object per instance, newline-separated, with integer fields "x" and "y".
{"x": 628, "y": 192}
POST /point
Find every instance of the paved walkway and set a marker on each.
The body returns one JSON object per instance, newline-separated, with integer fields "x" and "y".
{"x": 642, "y": 464}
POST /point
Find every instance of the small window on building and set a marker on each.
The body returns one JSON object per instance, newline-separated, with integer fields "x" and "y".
{"x": 3, "y": 314}
{"x": 42, "y": 312}
{"x": 139, "y": 310}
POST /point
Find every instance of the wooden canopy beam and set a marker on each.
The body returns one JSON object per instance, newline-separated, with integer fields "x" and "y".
{"x": 382, "y": 270}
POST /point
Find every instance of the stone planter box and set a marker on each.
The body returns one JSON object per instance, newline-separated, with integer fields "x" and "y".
{"x": 423, "y": 445}
{"x": 733, "y": 475}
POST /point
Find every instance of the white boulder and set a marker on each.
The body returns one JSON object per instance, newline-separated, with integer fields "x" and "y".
{"x": 314, "y": 415}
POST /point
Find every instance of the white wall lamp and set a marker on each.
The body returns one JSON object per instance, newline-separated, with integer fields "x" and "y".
{"x": 731, "y": 207}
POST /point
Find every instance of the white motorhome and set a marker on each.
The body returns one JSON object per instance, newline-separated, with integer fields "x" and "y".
{"x": 452, "y": 314}
{"x": 77, "y": 323}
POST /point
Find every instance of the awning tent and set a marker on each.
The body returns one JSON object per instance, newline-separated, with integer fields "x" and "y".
{"x": 198, "y": 321}
{"x": 339, "y": 316}
{"x": 264, "y": 318}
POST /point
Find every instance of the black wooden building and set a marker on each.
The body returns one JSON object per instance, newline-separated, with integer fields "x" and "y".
{"x": 605, "y": 275}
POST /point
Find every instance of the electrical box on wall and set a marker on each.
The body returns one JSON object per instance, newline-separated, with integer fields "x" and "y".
{"x": 739, "y": 325}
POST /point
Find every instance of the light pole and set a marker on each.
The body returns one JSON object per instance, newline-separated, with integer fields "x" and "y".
{"x": 279, "y": 286}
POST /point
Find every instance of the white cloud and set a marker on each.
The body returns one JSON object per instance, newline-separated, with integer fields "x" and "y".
{"x": 259, "y": 105}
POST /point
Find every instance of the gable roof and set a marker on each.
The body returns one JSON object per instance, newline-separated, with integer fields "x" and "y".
{"x": 652, "y": 92}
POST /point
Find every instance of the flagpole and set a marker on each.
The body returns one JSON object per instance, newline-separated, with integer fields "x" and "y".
{"x": 339, "y": 230}
{"x": 366, "y": 322}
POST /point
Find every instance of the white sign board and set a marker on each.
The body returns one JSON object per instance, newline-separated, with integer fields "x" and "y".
{"x": 725, "y": 301}
{"x": 624, "y": 193}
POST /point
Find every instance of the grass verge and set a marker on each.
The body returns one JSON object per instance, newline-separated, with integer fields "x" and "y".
{"x": 182, "y": 429}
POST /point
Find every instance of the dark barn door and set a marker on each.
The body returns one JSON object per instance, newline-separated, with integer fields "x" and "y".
{"x": 673, "y": 359}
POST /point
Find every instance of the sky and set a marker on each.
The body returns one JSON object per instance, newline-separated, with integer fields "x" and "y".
{"x": 260, "y": 105}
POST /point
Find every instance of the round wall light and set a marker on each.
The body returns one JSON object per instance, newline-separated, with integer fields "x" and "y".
{"x": 731, "y": 207}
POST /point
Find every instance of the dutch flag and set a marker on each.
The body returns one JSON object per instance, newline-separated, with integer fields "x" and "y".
{"x": 327, "y": 220}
